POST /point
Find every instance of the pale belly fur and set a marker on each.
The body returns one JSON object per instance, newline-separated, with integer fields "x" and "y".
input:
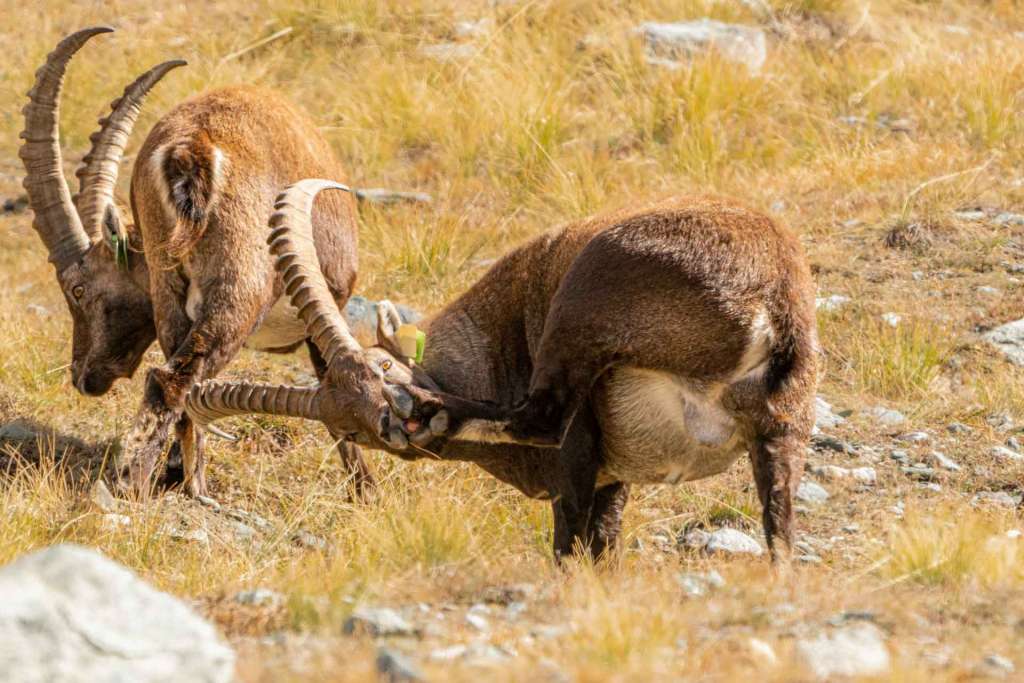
{"x": 659, "y": 428}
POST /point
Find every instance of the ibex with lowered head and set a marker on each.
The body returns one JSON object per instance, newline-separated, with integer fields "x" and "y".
{"x": 646, "y": 346}
{"x": 193, "y": 270}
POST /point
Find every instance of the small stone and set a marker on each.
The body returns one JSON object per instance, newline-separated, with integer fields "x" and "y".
{"x": 958, "y": 428}
{"x": 999, "y": 498}
{"x": 917, "y": 275}
{"x": 732, "y": 541}
{"x": 887, "y": 416}
{"x": 930, "y": 486}
{"x": 377, "y": 622}
{"x": 1014, "y": 444}
{"x": 394, "y": 667}
{"x": 697, "y": 585}
{"x": 824, "y": 416}
{"x": 696, "y": 539}
{"x": 1013, "y": 533}
{"x": 822, "y": 442}
{"x": 1004, "y": 453}
{"x": 1007, "y": 219}
{"x": 762, "y": 652}
{"x": 211, "y": 503}
{"x": 919, "y": 472}
{"x": 851, "y": 528}
{"x": 856, "y": 650}
{"x": 305, "y": 539}
{"x": 549, "y": 631}
{"x": 987, "y": 290}
{"x": 473, "y": 29}
{"x": 831, "y": 304}
{"x": 998, "y": 664}
{"x": 915, "y": 437}
{"x": 16, "y": 204}
{"x": 900, "y": 456}
{"x": 259, "y": 597}
{"x": 944, "y": 462}
{"x": 865, "y": 475}
{"x": 970, "y": 215}
{"x": 101, "y": 497}
{"x": 891, "y": 319}
{"x": 186, "y": 535}
{"x": 809, "y": 492}
{"x": 743, "y": 44}
{"x": 17, "y": 430}
{"x": 244, "y": 532}
{"x": 448, "y": 654}
{"x": 478, "y": 621}
{"x": 38, "y": 309}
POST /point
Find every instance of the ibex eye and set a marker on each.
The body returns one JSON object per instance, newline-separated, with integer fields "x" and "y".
{"x": 386, "y": 365}
{"x": 77, "y": 291}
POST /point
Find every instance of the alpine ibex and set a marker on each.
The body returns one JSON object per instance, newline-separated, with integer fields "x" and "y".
{"x": 646, "y": 346}
{"x": 193, "y": 271}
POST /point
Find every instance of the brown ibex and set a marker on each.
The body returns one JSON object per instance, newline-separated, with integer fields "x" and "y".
{"x": 646, "y": 346}
{"x": 193, "y": 271}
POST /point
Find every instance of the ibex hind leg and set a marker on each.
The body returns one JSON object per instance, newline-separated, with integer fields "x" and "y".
{"x": 364, "y": 482}
{"x": 574, "y": 495}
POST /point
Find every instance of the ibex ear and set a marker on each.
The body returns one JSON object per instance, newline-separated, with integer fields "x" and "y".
{"x": 388, "y": 322}
{"x": 115, "y": 236}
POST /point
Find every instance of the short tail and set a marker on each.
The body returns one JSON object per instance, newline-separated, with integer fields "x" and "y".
{"x": 192, "y": 169}
{"x": 793, "y": 360}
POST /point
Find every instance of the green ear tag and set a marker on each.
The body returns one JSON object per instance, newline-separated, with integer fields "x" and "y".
{"x": 120, "y": 251}
{"x": 421, "y": 343}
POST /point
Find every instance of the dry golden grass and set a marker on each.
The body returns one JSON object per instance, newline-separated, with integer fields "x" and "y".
{"x": 556, "y": 115}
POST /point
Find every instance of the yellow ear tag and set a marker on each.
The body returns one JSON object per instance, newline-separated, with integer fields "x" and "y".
{"x": 412, "y": 341}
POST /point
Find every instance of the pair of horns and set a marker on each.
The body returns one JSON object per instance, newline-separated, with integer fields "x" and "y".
{"x": 291, "y": 243}
{"x": 69, "y": 227}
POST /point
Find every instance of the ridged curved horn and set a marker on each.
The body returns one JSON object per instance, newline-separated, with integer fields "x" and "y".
{"x": 97, "y": 176}
{"x": 291, "y": 241}
{"x": 56, "y": 219}
{"x": 212, "y": 400}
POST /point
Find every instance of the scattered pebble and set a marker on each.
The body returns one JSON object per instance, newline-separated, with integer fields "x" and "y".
{"x": 1007, "y": 219}
{"x": 958, "y": 428}
{"x": 919, "y": 472}
{"x": 394, "y": 667}
{"x": 1004, "y": 453}
{"x": 945, "y": 462}
{"x": 101, "y": 497}
{"x": 809, "y": 492}
{"x": 506, "y": 595}
{"x": 732, "y": 542}
{"x": 259, "y": 597}
{"x": 999, "y": 498}
{"x": 915, "y": 437}
{"x": 737, "y": 43}
{"x": 1009, "y": 339}
{"x": 892, "y": 319}
{"x": 900, "y": 456}
{"x": 832, "y": 303}
{"x": 762, "y": 652}
{"x": 697, "y": 585}
{"x": 823, "y": 442}
{"x": 305, "y": 539}
{"x": 377, "y": 622}
{"x": 855, "y": 650}
{"x": 887, "y": 416}
{"x": 824, "y": 416}
{"x": 112, "y": 521}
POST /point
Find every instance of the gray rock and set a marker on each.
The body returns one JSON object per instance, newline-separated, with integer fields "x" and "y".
{"x": 1009, "y": 339}
{"x": 915, "y": 437}
{"x": 958, "y": 428}
{"x": 1014, "y": 444}
{"x": 186, "y": 535}
{"x": 259, "y": 597}
{"x": 999, "y": 498}
{"x": 394, "y": 667}
{"x": 305, "y": 539}
{"x": 39, "y": 309}
{"x": 17, "y": 430}
{"x": 822, "y": 442}
{"x": 361, "y": 316}
{"x": 970, "y": 214}
{"x": 244, "y": 532}
{"x": 998, "y": 665}
{"x": 111, "y": 521}
{"x": 696, "y": 539}
{"x": 1007, "y": 219}
{"x": 919, "y": 472}
{"x": 474, "y": 29}
{"x": 987, "y": 290}
{"x": 1005, "y": 454}
{"x": 211, "y": 503}
{"x": 700, "y": 584}
{"x": 809, "y": 492}
{"x": 477, "y": 653}
{"x": 382, "y": 196}
{"x": 101, "y": 497}
{"x": 891, "y": 319}
{"x": 824, "y": 416}
{"x": 742, "y": 44}
{"x": 887, "y": 416}
{"x": 900, "y": 456}
{"x": 72, "y": 615}
{"x": 865, "y": 475}
{"x": 832, "y": 303}
{"x": 854, "y": 650}
{"x": 732, "y": 542}
{"x": 478, "y": 621}
{"x": 377, "y": 622}
{"x": 945, "y": 462}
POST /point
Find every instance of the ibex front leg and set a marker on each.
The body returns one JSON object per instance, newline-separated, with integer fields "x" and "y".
{"x": 207, "y": 346}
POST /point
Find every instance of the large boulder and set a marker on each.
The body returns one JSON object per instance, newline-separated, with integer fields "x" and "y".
{"x": 70, "y": 614}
